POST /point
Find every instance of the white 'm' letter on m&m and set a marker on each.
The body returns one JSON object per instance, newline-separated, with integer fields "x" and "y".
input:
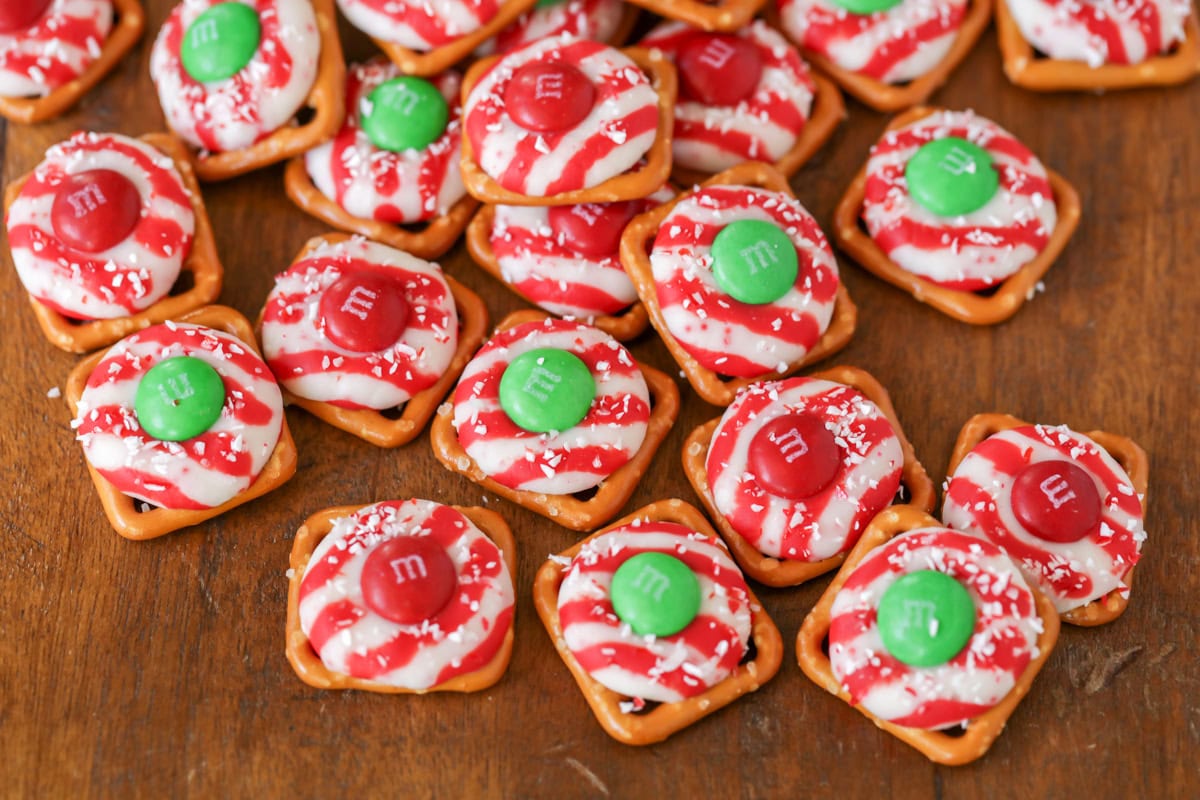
{"x": 759, "y": 256}
{"x": 86, "y": 200}
{"x": 408, "y": 568}
{"x": 359, "y": 302}
{"x": 548, "y": 86}
{"x": 652, "y": 582}
{"x": 206, "y": 31}
{"x": 957, "y": 162}
{"x": 716, "y": 54}
{"x": 1057, "y": 490}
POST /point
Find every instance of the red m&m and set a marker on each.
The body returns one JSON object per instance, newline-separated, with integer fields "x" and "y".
{"x": 17, "y": 15}
{"x": 364, "y": 312}
{"x": 1056, "y": 501}
{"x": 593, "y": 229}
{"x": 549, "y": 97}
{"x": 794, "y": 456}
{"x": 408, "y": 579}
{"x": 95, "y": 210}
{"x": 719, "y": 69}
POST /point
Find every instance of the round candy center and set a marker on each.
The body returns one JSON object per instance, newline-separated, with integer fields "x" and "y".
{"x": 655, "y": 594}
{"x": 95, "y": 210}
{"x": 549, "y": 97}
{"x": 592, "y": 229}
{"x": 754, "y": 261}
{"x": 404, "y": 113}
{"x": 926, "y": 618}
{"x": 179, "y": 398}
{"x": 364, "y": 312}
{"x": 866, "y": 6}
{"x": 951, "y": 177}
{"x": 17, "y": 15}
{"x": 408, "y": 579}
{"x": 220, "y": 42}
{"x": 719, "y": 69}
{"x": 1056, "y": 501}
{"x": 547, "y": 390}
{"x": 794, "y": 456}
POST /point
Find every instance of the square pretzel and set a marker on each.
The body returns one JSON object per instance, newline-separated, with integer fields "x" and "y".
{"x": 326, "y": 99}
{"x": 202, "y": 264}
{"x": 641, "y": 181}
{"x": 779, "y": 572}
{"x": 965, "y": 306}
{"x": 1031, "y": 70}
{"x": 428, "y": 240}
{"x": 121, "y": 509}
{"x": 937, "y": 746}
{"x": 667, "y": 718}
{"x": 718, "y": 15}
{"x": 307, "y": 663}
{"x": 712, "y": 387}
{"x": 441, "y": 58}
{"x": 1124, "y": 451}
{"x": 828, "y": 111}
{"x": 895, "y": 97}
{"x": 624, "y": 326}
{"x": 130, "y": 22}
{"x": 380, "y": 428}
{"x": 565, "y": 509}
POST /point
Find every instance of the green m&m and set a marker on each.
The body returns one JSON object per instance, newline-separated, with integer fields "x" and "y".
{"x": 951, "y": 176}
{"x": 754, "y": 261}
{"x": 179, "y": 398}
{"x": 863, "y": 7}
{"x": 547, "y": 390}
{"x": 926, "y": 618}
{"x": 548, "y": 3}
{"x": 404, "y": 113}
{"x": 655, "y": 594}
{"x": 220, "y": 42}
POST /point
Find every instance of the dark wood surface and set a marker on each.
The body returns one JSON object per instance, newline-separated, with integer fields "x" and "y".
{"x": 157, "y": 669}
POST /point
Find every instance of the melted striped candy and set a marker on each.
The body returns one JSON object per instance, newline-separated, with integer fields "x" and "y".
{"x": 17, "y": 15}
{"x": 95, "y": 209}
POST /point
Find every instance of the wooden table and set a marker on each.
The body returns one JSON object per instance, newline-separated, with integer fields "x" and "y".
{"x": 157, "y": 668}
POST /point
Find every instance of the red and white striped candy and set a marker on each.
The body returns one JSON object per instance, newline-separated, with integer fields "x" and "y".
{"x": 261, "y": 98}
{"x": 370, "y": 183}
{"x": 202, "y": 472}
{"x": 830, "y": 521}
{"x": 892, "y": 46}
{"x": 611, "y": 139}
{"x": 307, "y": 363}
{"x": 597, "y": 20}
{"x": 1102, "y": 31}
{"x": 762, "y": 127}
{"x": 127, "y": 277}
{"x": 420, "y": 25}
{"x": 56, "y": 49}
{"x": 665, "y": 669}
{"x": 723, "y": 334}
{"x": 546, "y": 269}
{"x": 972, "y": 251}
{"x": 979, "y": 500}
{"x": 556, "y": 462}
{"x": 1005, "y": 638}
{"x": 351, "y": 639}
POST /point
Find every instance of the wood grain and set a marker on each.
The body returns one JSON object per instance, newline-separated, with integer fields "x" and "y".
{"x": 157, "y": 669}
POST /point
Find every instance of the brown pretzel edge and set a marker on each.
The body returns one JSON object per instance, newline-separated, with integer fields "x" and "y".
{"x": 439, "y": 59}
{"x": 1124, "y": 451}
{"x": 1030, "y": 70}
{"x": 307, "y": 663}
{"x": 893, "y": 97}
{"x": 131, "y": 21}
{"x": 780, "y": 572}
{"x": 202, "y": 263}
{"x": 639, "y": 182}
{"x": 720, "y": 15}
{"x": 568, "y": 510}
{"x": 121, "y": 509}
{"x": 432, "y": 240}
{"x": 625, "y": 326}
{"x": 373, "y": 425}
{"x": 828, "y": 111}
{"x": 326, "y": 99}
{"x": 939, "y": 747}
{"x": 963, "y": 306}
{"x": 635, "y": 243}
{"x": 668, "y": 718}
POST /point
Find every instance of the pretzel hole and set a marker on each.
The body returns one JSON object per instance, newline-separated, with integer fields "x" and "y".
{"x": 143, "y": 507}
{"x": 903, "y": 495}
{"x": 183, "y": 284}
{"x": 751, "y": 652}
{"x": 394, "y": 413}
{"x": 583, "y": 495}
{"x": 305, "y": 115}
